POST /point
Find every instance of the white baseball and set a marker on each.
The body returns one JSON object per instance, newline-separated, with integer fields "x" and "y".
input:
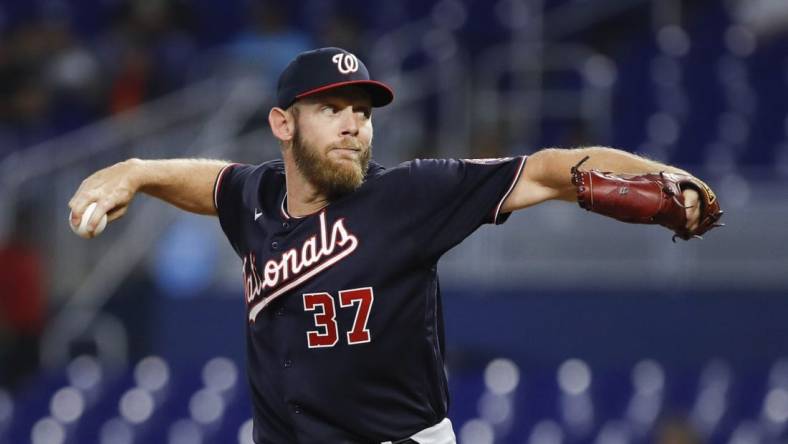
{"x": 82, "y": 229}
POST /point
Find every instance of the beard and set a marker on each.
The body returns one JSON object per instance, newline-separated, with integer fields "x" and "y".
{"x": 331, "y": 178}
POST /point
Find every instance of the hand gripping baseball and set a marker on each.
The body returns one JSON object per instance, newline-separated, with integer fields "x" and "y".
{"x": 649, "y": 199}
{"x": 111, "y": 188}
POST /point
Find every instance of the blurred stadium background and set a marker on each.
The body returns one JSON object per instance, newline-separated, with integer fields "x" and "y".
{"x": 562, "y": 326}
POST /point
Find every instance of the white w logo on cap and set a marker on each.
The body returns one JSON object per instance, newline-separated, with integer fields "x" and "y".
{"x": 346, "y": 62}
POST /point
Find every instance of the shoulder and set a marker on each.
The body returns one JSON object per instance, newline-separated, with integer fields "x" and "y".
{"x": 249, "y": 173}
{"x": 424, "y": 168}
{"x": 375, "y": 169}
{"x": 404, "y": 168}
{"x": 252, "y": 182}
{"x": 272, "y": 167}
{"x": 417, "y": 167}
{"x": 409, "y": 171}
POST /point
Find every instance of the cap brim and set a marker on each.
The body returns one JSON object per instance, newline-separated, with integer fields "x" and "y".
{"x": 380, "y": 93}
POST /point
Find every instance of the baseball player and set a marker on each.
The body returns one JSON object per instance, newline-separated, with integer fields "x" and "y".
{"x": 339, "y": 254}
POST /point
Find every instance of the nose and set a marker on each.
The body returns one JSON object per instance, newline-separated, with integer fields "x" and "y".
{"x": 349, "y": 124}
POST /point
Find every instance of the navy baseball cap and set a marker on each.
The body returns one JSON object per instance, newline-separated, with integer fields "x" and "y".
{"x": 321, "y": 69}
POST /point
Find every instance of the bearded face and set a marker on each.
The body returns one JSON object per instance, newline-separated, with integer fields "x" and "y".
{"x": 332, "y": 175}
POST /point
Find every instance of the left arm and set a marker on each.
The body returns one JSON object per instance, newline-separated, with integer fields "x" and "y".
{"x": 547, "y": 176}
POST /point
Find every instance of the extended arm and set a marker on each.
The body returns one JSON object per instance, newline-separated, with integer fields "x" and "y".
{"x": 547, "y": 176}
{"x": 184, "y": 183}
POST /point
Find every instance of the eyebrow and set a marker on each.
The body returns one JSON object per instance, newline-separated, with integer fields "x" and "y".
{"x": 350, "y": 95}
{"x": 344, "y": 102}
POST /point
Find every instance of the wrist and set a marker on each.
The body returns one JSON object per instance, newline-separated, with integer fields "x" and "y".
{"x": 136, "y": 173}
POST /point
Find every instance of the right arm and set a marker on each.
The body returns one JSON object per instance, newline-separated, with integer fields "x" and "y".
{"x": 185, "y": 183}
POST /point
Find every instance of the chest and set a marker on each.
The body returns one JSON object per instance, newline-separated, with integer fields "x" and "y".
{"x": 328, "y": 252}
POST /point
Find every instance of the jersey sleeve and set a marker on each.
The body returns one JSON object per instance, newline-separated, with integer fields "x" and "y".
{"x": 452, "y": 198}
{"x": 234, "y": 184}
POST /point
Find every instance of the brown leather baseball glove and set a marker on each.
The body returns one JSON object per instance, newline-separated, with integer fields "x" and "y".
{"x": 646, "y": 199}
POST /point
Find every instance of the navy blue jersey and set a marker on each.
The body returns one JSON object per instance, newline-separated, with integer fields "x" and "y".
{"x": 345, "y": 332}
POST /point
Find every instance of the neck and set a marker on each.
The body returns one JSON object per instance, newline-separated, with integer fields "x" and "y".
{"x": 302, "y": 197}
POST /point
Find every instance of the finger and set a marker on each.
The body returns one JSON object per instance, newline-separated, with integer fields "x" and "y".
{"x": 120, "y": 200}
{"x": 74, "y": 219}
{"x": 72, "y": 205}
{"x": 690, "y": 197}
{"x": 103, "y": 207}
{"x": 693, "y": 219}
{"x": 80, "y": 203}
{"x": 73, "y": 200}
{"x": 692, "y": 211}
{"x": 84, "y": 187}
{"x": 116, "y": 213}
{"x": 694, "y": 226}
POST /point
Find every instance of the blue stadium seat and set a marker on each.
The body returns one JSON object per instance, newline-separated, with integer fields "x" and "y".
{"x": 496, "y": 402}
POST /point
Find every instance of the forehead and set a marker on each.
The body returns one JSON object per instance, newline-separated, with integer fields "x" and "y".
{"x": 348, "y": 94}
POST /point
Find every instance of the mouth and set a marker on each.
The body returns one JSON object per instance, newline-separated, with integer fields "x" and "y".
{"x": 346, "y": 152}
{"x": 346, "y": 148}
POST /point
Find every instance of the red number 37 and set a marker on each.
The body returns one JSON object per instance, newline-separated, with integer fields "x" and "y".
{"x": 325, "y": 317}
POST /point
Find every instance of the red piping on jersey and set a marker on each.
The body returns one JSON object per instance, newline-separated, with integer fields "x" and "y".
{"x": 509, "y": 191}
{"x": 218, "y": 183}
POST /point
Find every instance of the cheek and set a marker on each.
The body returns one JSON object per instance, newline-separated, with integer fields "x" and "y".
{"x": 366, "y": 133}
{"x": 313, "y": 136}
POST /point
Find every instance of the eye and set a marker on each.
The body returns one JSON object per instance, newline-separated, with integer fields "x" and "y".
{"x": 366, "y": 112}
{"x": 328, "y": 109}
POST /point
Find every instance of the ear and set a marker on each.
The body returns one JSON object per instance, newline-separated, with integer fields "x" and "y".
{"x": 282, "y": 124}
